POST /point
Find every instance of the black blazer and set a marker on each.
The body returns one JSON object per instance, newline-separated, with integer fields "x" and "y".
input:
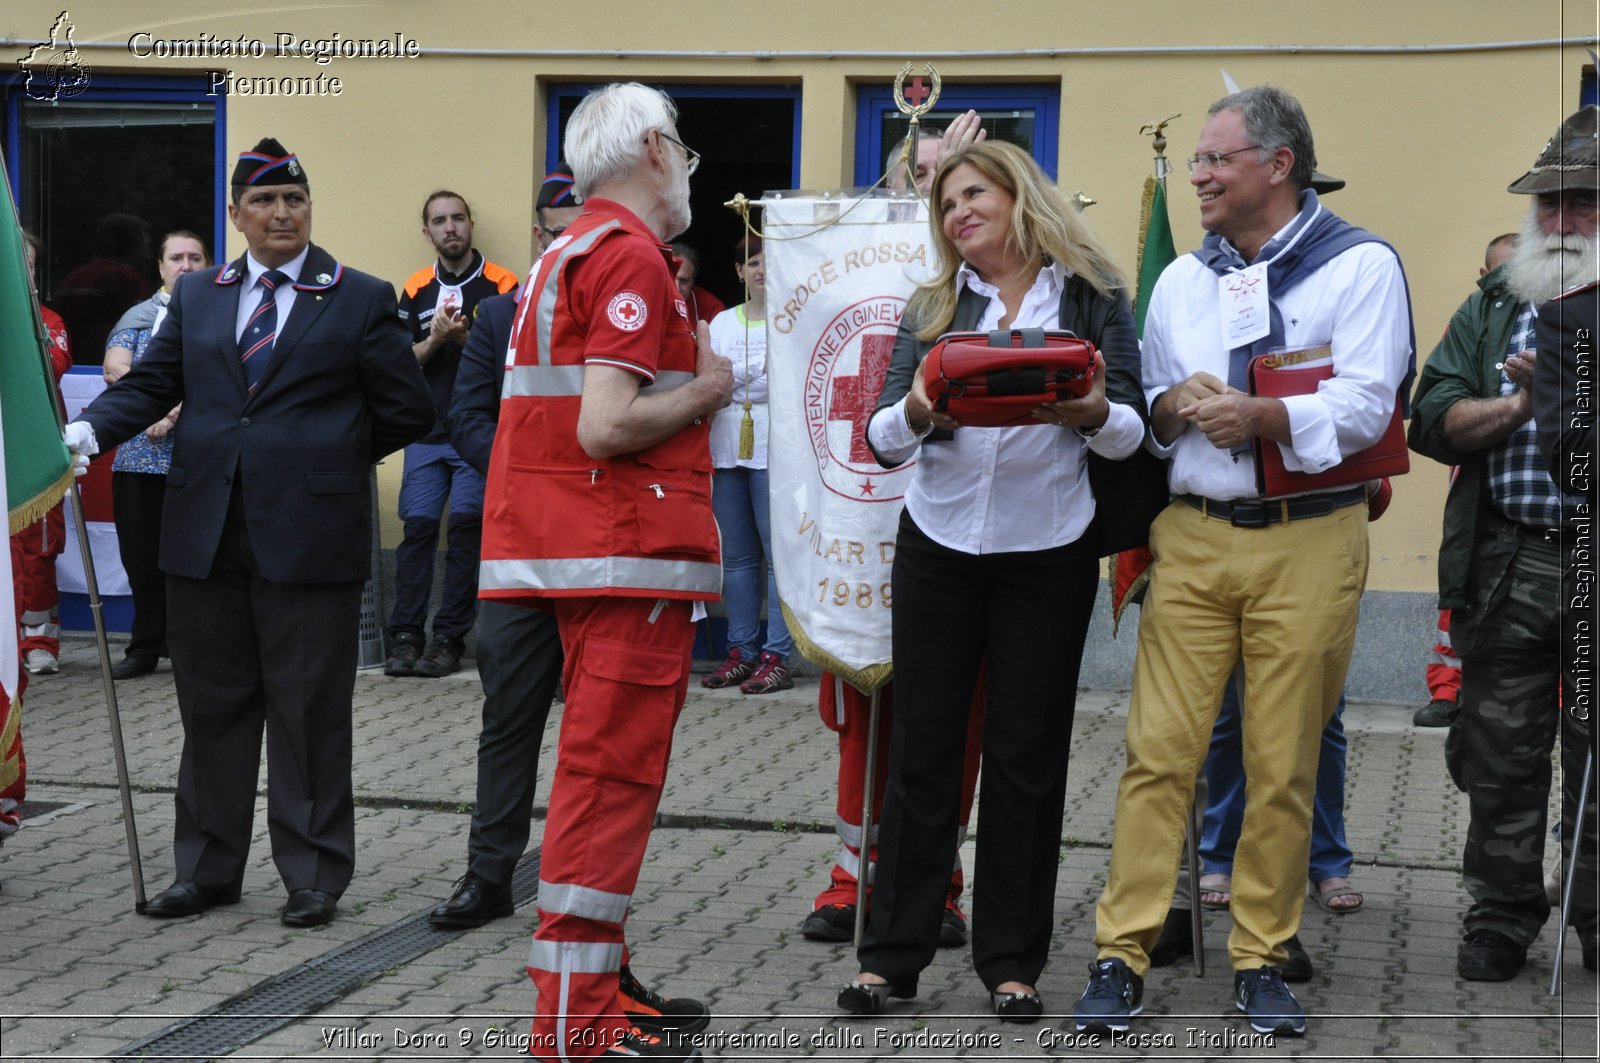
{"x": 1128, "y": 494}
{"x": 475, "y": 405}
{"x": 342, "y": 390}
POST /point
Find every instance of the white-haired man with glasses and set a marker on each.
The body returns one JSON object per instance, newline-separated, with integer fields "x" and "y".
{"x": 599, "y": 509}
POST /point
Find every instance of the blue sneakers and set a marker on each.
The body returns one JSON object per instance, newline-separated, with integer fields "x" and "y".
{"x": 1262, "y": 996}
{"x": 1113, "y": 996}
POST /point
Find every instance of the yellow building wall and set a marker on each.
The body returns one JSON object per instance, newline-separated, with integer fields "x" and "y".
{"x": 1427, "y": 137}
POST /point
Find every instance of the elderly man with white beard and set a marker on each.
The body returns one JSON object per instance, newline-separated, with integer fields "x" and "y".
{"x": 1501, "y": 562}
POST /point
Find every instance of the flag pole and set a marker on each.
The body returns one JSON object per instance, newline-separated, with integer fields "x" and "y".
{"x": 1163, "y": 167}
{"x": 95, "y": 604}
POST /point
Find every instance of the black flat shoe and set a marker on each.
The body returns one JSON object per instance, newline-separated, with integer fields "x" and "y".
{"x": 868, "y": 998}
{"x": 188, "y": 898}
{"x": 309, "y": 908}
{"x": 1021, "y": 1008}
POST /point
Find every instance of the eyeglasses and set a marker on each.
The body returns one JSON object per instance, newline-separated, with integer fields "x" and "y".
{"x": 1213, "y": 160}
{"x": 555, "y": 233}
{"x": 693, "y": 156}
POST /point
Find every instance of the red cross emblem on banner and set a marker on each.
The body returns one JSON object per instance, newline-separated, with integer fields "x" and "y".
{"x": 854, "y": 397}
{"x": 917, "y": 95}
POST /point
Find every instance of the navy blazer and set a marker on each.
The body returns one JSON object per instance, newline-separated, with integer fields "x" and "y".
{"x": 342, "y": 390}
{"x": 475, "y": 405}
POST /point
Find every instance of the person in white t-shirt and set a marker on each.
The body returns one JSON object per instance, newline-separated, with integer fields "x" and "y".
{"x": 739, "y": 492}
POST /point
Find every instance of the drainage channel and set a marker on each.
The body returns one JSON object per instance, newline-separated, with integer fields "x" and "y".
{"x": 300, "y": 991}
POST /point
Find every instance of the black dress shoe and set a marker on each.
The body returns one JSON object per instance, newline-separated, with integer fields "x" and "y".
{"x": 1298, "y": 967}
{"x": 474, "y": 903}
{"x": 188, "y": 898}
{"x": 1176, "y": 941}
{"x": 1020, "y": 1008}
{"x": 309, "y": 908}
{"x": 1489, "y": 956}
{"x": 132, "y": 668}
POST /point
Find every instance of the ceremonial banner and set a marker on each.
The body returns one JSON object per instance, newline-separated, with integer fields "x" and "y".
{"x": 839, "y": 272}
{"x": 81, "y": 386}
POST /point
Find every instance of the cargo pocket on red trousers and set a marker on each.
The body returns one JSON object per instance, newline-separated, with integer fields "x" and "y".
{"x": 627, "y": 705}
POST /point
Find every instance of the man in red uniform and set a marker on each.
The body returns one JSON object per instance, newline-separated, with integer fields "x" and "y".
{"x": 35, "y": 548}
{"x": 599, "y": 508}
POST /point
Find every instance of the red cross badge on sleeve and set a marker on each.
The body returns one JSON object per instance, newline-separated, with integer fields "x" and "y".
{"x": 627, "y": 311}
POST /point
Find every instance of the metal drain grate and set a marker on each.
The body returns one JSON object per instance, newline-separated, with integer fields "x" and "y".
{"x": 285, "y": 998}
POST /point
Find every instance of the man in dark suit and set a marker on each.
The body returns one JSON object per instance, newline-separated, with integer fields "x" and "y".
{"x": 297, "y": 375}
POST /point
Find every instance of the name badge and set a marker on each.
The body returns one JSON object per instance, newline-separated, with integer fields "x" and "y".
{"x": 1246, "y": 313}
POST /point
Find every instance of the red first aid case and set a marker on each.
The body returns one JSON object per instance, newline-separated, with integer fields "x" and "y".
{"x": 993, "y": 379}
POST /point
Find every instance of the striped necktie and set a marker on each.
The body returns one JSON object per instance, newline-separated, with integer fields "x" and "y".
{"x": 261, "y": 329}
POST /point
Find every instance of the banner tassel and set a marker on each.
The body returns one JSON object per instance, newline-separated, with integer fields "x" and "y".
{"x": 747, "y": 434}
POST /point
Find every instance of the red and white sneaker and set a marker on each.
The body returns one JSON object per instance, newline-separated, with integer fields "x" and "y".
{"x": 772, "y": 673}
{"x": 637, "y": 1044}
{"x": 731, "y": 672}
{"x": 653, "y": 1014}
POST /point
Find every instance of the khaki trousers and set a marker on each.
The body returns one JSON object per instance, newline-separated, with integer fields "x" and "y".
{"x": 1285, "y": 598}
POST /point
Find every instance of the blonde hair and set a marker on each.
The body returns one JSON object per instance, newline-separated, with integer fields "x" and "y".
{"x": 1045, "y": 228}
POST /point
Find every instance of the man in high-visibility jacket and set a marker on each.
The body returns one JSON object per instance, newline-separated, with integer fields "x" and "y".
{"x": 598, "y": 508}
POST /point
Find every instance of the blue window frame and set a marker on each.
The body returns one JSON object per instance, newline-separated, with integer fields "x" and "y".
{"x": 1026, "y": 114}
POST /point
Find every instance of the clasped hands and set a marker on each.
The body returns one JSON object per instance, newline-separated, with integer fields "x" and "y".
{"x": 1225, "y": 415}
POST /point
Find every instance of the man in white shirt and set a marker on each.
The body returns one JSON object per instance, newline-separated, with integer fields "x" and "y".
{"x": 1276, "y": 583}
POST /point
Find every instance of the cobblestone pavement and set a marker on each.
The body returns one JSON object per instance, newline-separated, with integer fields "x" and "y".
{"x": 744, "y": 843}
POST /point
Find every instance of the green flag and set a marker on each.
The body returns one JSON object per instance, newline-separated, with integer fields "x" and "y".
{"x": 38, "y": 469}
{"x": 1155, "y": 244}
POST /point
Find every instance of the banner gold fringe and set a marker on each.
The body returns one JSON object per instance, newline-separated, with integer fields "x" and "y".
{"x": 1147, "y": 204}
{"x": 865, "y": 679}
{"x": 32, "y": 509}
{"x": 10, "y": 748}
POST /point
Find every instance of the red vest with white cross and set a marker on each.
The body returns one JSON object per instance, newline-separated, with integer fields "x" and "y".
{"x": 557, "y": 522}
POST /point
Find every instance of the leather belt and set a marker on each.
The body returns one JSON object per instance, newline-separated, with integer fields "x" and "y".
{"x": 1539, "y": 534}
{"x": 1260, "y": 513}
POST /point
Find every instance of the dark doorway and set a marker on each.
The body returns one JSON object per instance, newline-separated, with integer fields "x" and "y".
{"x": 100, "y": 180}
{"x": 746, "y": 137}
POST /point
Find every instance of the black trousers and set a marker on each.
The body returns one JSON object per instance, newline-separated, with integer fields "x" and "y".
{"x": 519, "y": 662}
{"x": 248, "y": 653}
{"x": 1027, "y": 613}
{"x": 136, "y": 499}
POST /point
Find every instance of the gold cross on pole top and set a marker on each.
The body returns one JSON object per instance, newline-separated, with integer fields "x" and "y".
{"x": 920, "y": 100}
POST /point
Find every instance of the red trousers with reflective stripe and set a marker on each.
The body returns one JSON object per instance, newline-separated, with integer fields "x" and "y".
{"x": 1444, "y": 667}
{"x": 626, "y": 679}
{"x": 841, "y": 887}
{"x": 34, "y": 550}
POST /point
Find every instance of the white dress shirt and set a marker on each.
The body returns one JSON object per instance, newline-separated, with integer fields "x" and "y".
{"x": 1356, "y": 304}
{"x": 995, "y": 490}
{"x": 250, "y": 290}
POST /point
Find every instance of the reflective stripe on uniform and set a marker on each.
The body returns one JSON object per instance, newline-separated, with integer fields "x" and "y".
{"x": 850, "y": 834}
{"x": 850, "y": 864}
{"x": 596, "y": 573}
{"x": 569, "y": 898}
{"x": 544, "y": 308}
{"x": 565, "y": 381}
{"x": 577, "y": 957}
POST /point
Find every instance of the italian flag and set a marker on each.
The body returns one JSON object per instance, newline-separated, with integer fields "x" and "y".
{"x": 35, "y": 472}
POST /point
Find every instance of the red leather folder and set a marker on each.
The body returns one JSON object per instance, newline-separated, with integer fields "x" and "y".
{"x": 1280, "y": 374}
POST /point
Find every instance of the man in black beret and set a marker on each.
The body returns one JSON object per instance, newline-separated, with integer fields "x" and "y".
{"x": 296, "y": 375}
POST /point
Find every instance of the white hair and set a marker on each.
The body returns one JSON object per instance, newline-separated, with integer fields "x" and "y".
{"x": 605, "y": 135}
